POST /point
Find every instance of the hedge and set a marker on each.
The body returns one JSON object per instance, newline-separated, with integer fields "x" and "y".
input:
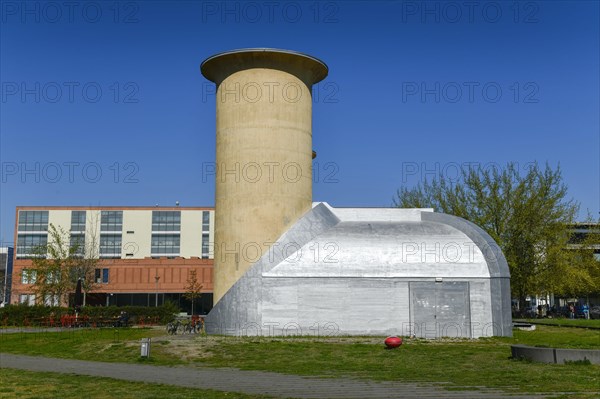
{"x": 23, "y": 315}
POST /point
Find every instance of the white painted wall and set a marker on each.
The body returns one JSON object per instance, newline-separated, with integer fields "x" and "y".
{"x": 60, "y": 219}
{"x": 191, "y": 233}
{"x": 139, "y": 242}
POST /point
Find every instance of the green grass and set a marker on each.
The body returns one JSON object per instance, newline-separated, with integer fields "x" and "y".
{"x": 555, "y": 337}
{"x": 462, "y": 363}
{"x": 29, "y": 384}
{"x": 567, "y": 322}
{"x": 107, "y": 345}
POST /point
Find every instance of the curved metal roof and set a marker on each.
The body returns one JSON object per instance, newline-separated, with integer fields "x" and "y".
{"x": 390, "y": 243}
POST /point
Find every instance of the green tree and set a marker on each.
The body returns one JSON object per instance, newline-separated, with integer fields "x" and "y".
{"x": 527, "y": 214}
{"x": 193, "y": 288}
{"x": 89, "y": 258}
{"x": 57, "y": 266}
{"x": 581, "y": 276}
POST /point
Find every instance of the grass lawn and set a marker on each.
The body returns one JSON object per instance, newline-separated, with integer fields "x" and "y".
{"x": 463, "y": 363}
{"x": 555, "y": 337}
{"x": 29, "y": 384}
{"x": 567, "y": 322}
{"x": 106, "y": 345}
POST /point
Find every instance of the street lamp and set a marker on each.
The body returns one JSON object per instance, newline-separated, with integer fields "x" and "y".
{"x": 156, "y": 278}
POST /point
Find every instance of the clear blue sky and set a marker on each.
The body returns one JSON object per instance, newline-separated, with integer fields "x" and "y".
{"x": 411, "y": 91}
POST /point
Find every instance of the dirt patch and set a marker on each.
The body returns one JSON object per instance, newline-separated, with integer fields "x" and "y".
{"x": 187, "y": 347}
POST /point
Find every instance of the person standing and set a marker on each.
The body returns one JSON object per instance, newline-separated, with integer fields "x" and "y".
{"x": 571, "y": 311}
{"x": 586, "y": 311}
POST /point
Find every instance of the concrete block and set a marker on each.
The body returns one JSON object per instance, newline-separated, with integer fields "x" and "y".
{"x": 535, "y": 354}
{"x": 574, "y": 355}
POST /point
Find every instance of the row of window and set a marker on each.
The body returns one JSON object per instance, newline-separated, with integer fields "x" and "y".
{"x": 109, "y": 220}
{"x": 166, "y": 221}
{"x": 111, "y": 225}
{"x": 29, "y": 244}
{"x": 33, "y": 221}
{"x": 29, "y": 299}
{"x": 29, "y": 276}
{"x": 78, "y": 221}
{"x": 77, "y": 244}
{"x": 165, "y": 244}
{"x": 110, "y": 244}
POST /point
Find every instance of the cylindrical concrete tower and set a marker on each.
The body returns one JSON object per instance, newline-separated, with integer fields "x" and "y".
{"x": 264, "y": 152}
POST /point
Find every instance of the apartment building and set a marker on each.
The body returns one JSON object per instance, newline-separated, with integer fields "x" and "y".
{"x": 145, "y": 254}
{"x": 6, "y": 264}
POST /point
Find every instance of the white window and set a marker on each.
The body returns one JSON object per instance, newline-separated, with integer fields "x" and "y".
{"x": 27, "y": 299}
{"x": 205, "y": 246}
{"x": 52, "y": 278}
{"x": 31, "y": 245}
{"x": 51, "y": 300}
{"x": 165, "y": 244}
{"x": 205, "y": 220}
{"x": 28, "y": 276}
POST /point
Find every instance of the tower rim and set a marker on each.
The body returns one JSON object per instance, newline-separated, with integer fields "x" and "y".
{"x": 216, "y": 67}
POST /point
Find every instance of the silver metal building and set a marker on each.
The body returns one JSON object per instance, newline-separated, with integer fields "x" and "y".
{"x": 361, "y": 271}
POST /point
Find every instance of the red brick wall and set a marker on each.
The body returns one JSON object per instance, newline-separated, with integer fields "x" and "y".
{"x": 136, "y": 275}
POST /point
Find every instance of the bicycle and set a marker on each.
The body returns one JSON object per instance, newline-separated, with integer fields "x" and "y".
{"x": 172, "y": 327}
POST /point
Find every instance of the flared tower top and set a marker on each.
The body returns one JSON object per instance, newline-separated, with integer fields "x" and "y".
{"x": 307, "y": 68}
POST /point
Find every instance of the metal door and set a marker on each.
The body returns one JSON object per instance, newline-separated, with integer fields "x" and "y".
{"x": 440, "y": 309}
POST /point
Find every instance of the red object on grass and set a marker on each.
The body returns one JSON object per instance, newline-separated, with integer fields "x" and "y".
{"x": 393, "y": 342}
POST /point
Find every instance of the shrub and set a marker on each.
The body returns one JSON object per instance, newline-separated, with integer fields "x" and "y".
{"x": 23, "y": 315}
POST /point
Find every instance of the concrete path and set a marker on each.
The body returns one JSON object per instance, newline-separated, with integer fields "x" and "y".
{"x": 249, "y": 382}
{"x": 29, "y": 330}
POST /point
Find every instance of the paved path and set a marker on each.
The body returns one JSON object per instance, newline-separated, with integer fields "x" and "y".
{"x": 250, "y": 382}
{"x": 28, "y": 330}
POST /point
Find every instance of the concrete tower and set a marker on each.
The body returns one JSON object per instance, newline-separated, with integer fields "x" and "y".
{"x": 264, "y": 152}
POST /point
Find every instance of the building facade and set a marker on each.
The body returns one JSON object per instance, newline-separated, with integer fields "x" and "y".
{"x": 6, "y": 264}
{"x": 372, "y": 271}
{"x": 145, "y": 254}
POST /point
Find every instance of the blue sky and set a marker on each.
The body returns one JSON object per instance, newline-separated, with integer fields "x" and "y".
{"x": 102, "y": 103}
